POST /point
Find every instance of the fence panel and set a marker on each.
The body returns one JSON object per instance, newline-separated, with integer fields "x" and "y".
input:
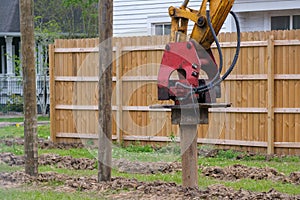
{"x": 263, "y": 89}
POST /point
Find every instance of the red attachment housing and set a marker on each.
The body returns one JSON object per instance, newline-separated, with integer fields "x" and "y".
{"x": 187, "y": 58}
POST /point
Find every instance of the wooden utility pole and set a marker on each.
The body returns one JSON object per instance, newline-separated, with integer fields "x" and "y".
{"x": 105, "y": 90}
{"x": 29, "y": 87}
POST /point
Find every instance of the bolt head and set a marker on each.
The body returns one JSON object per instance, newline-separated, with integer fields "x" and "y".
{"x": 201, "y": 21}
{"x": 194, "y": 66}
{"x": 168, "y": 47}
{"x": 188, "y": 45}
{"x": 195, "y": 74}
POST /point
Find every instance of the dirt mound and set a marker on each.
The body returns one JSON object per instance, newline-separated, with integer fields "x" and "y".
{"x": 236, "y": 172}
{"x": 69, "y": 162}
{"x": 122, "y": 188}
{"x": 21, "y": 177}
{"x": 43, "y": 144}
{"x": 11, "y": 159}
{"x": 127, "y": 166}
{"x": 240, "y": 155}
{"x": 16, "y": 179}
{"x": 295, "y": 177}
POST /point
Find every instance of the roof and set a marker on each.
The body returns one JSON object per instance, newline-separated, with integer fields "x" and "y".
{"x": 9, "y": 16}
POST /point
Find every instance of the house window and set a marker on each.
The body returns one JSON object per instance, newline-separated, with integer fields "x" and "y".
{"x": 161, "y": 28}
{"x": 285, "y": 22}
{"x": 296, "y": 22}
{"x": 280, "y": 23}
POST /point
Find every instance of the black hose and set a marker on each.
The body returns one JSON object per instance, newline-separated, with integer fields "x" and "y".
{"x": 237, "y": 52}
{"x": 212, "y": 83}
{"x": 209, "y": 85}
{"x": 185, "y": 3}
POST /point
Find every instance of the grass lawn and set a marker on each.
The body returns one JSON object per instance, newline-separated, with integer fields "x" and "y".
{"x": 285, "y": 165}
{"x": 21, "y": 119}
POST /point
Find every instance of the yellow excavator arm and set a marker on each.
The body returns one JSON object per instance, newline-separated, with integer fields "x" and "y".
{"x": 218, "y": 11}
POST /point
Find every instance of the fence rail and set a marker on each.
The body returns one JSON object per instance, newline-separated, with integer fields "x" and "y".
{"x": 264, "y": 90}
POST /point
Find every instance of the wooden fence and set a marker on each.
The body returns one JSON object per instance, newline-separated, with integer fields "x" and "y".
{"x": 264, "y": 90}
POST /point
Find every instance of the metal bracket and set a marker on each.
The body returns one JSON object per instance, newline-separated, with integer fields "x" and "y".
{"x": 190, "y": 114}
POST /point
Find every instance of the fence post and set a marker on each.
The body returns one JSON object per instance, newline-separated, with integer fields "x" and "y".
{"x": 271, "y": 90}
{"x": 119, "y": 97}
{"x": 52, "y": 94}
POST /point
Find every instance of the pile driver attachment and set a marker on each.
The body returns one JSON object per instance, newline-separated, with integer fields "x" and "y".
{"x": 190, "y": 58}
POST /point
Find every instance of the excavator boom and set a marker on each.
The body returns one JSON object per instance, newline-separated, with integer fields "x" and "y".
{"x": 219, "y": 10}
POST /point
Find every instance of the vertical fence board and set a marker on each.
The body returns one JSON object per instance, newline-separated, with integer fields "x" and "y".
{"x": 270, "y": 60}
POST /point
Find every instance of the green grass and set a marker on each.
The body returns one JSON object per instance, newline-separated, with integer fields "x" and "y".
{"x": 136, "y": 152}
{"x": 18, "y": 132}
{"x": 172, "y": 177}
{"x": 44, "y": 194}
{"x": 21, "y": 119}
{"x": 69, "y": 172}
{"x": 204, "y": 182}
{"x": 6, "y": 168}
{"x": 16, "y": 149}
{"x": 263, "y": 186}
{"x": 76, "y": 153}
{"x": 284, "y": 167}
{"x": 246, "y": 184}
{"x": 11, "y": 132}
{"x": 154, "y": 156}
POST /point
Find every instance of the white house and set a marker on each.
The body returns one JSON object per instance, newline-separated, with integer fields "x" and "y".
{"x": 150, "y": 17}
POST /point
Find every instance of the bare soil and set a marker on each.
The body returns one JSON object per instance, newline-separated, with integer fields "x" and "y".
{"x": 122, "y": 188}
{"x": 133, "y": 189}
{"x": 43, "y": 144}
{"x": 236, "y": 172}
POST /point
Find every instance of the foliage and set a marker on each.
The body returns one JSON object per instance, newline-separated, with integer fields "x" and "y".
{"x": 71, "y": 17}
{"x": 89, "y": 14}
{"x": 17, "y": 64}
{"x": 139, "y": 148}
{"x": 15, "y": 103}
{"x": 45, "y": 33}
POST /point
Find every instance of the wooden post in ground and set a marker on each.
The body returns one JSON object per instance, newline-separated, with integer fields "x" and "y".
{"x": 188, "y": 117}
{"x": 188, "y": 147}
{"x": 52, "y": 93}
{"x": 29, "y": 87}
{"x": 271, "y": 90}
{"x": 105, "y": 90}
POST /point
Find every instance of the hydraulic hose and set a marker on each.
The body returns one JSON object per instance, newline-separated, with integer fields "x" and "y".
{"x": 213, "y": 83}
{"x": 209, "y": 85}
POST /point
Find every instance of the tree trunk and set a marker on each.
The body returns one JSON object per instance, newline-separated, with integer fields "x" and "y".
{"x": 105, "y": 90}
{"x": 29, "y": 87}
